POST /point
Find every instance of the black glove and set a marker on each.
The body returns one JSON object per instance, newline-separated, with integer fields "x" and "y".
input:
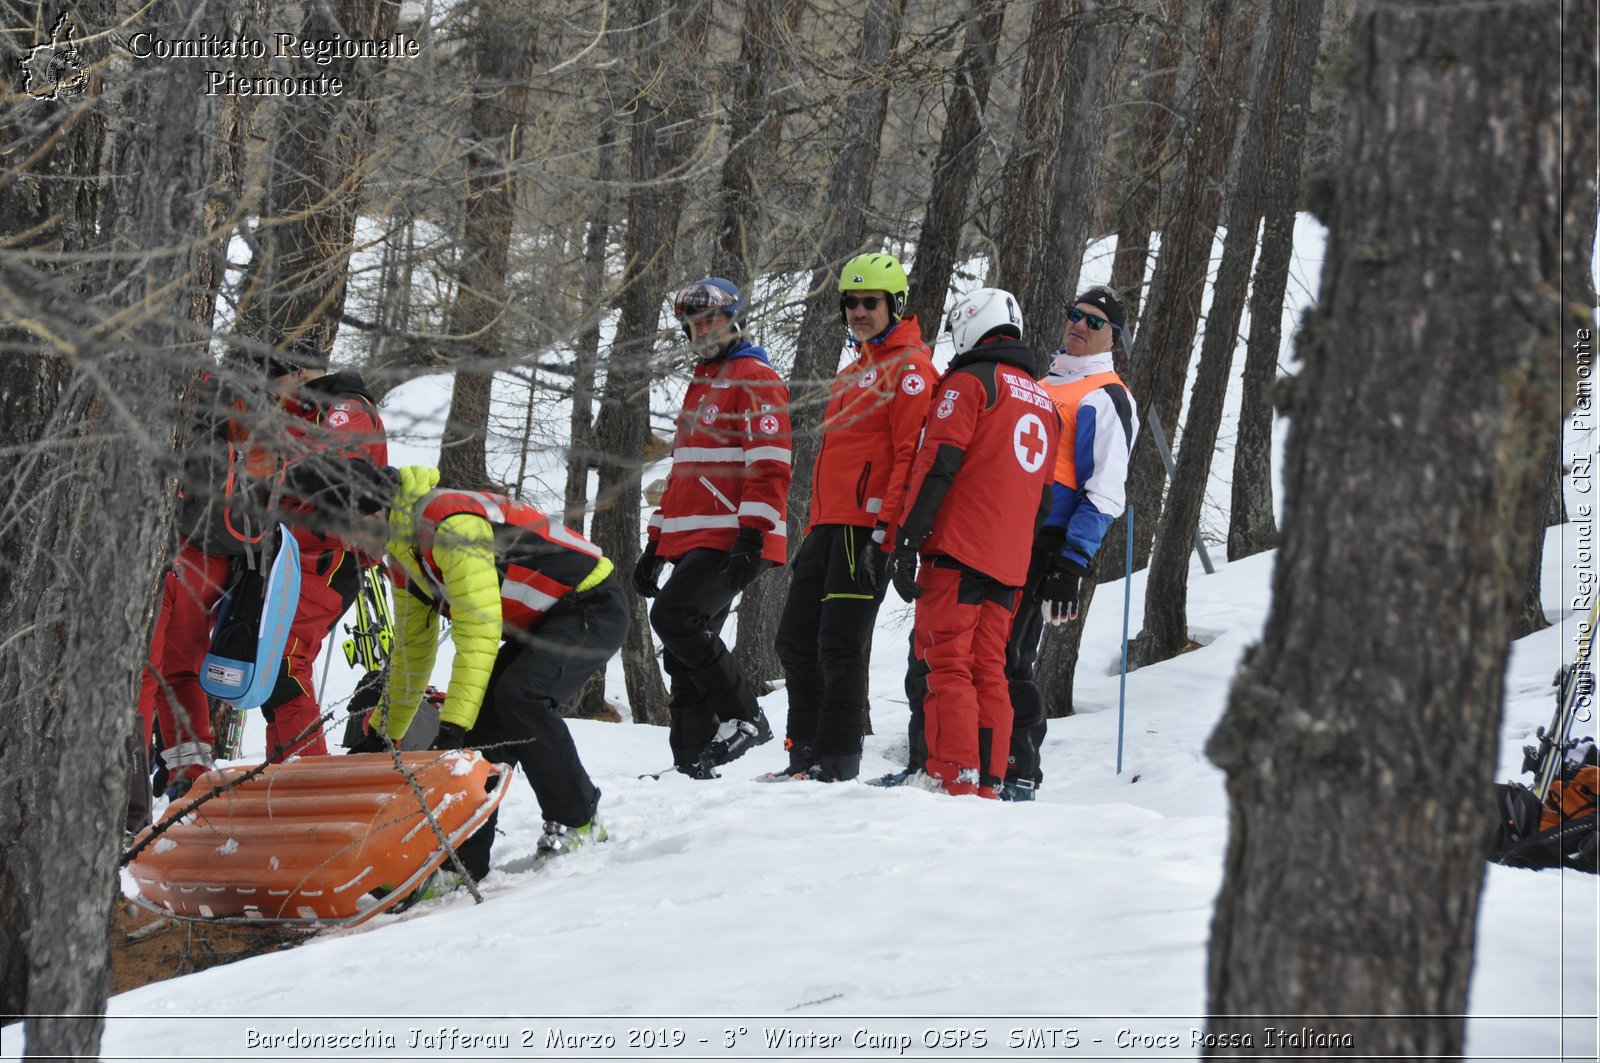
{"x": 743, "y": 563}
{"x": 1058, "y": 593}
{"x": 450, "y": 736}
{"x": 870, "y": 567}
{"x": 647, "y": 572}
{"x": 903, "y": 572}
{"x": 1050, "y": 540}
{"x": 371, "y": 742}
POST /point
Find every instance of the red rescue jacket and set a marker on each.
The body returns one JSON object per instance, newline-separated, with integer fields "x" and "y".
{"x": 869, "y": 431}
{"x": 335, "y": 413}
{"x": 730, "y": 459}
{"x": 981, "y": 476}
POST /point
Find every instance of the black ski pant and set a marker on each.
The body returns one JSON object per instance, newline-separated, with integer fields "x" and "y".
{"x": 825, "y": 640}
{"x": 707, "y": 684}
{"x": 1027, "y": 701}
{"x": 534, "y": 674}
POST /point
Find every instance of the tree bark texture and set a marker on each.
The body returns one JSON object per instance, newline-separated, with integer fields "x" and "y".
{"x": 1091, "y": 63}
{"x": 1093, "y": 58}
{"x": 1164, "y": 344}
{"x": 1252, "y": 520}
{"x": 667, "y": 38}
{"x": 81, "y": 591}
{"x": 752, "y": 112}
{"x": 1289, "y": 43}
{"x": 755, "y": 121}
{"x": 586, "y": 355}
{"x": 1153, "y": 123}
{"x": 504, "y": 44}
{"x": 50, "y": 190}
{"x": 821, "y": 334}
{"x": 1417, "y": 441}
{"x": 319, "y": 160}
{"x": 1028, "y": 180}
{"x": 961, "y": 146}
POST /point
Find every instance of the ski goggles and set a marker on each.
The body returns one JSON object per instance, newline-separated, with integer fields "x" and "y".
{"x": 866, "y": 302}
{"x": 1096, "y": 322}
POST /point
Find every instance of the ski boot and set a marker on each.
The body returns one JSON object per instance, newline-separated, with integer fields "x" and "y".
{"x": 1018, "y": 790}
{"x": 734, "y": 738}
{"x": 559, "y": 838}
{"x": 801, "y": 756}
{"x": 835, "y": 767}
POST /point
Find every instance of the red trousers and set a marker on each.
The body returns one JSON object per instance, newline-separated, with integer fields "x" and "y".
{"x": 170, "y": 687}
{"x": 959, "y": 638}
{"x": 329, "y": 579}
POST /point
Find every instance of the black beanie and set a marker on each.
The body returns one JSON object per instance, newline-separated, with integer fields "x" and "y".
{"x": 1110, "y": 306}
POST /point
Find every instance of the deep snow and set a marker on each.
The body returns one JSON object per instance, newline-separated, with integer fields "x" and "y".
{"x": 787, "y": 909}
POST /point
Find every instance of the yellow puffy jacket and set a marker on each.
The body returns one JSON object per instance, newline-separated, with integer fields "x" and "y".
{"x": 463, "y": 549}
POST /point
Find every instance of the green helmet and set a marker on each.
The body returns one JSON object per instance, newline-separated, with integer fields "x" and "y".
{"x": 876, "y": 273}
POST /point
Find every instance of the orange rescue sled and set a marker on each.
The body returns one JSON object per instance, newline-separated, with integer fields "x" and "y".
{"x": 303, "y": 843}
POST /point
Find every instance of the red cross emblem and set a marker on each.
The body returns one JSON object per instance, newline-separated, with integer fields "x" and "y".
{"x": 1030, "y": 442}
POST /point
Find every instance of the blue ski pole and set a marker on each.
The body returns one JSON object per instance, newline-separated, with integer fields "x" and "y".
{"x": 1127, "y": 599}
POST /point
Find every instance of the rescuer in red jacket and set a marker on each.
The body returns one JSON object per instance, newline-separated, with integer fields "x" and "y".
{"x": 720, "y": 523}
{"x": 869, "y": 436}
{"x": 978, "y": 487}
{"x": 248, "y": 465}
{"x": 335, "y": 419}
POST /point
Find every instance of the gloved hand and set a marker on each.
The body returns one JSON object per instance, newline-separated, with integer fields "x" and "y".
{"x": 1058, "y": 593}
{"x": 647, "y": 572}
{"x": 450, "y": 736}
{"x": 743, "y": 563}
{"x": 1050, "y": 540}
{"x": 870, "y": 565}
{"x": 371, "y": 742}
{"x": 903, "y": 572}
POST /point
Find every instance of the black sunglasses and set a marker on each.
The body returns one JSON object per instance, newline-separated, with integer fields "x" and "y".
{"x": 1096, "y": 323}
{"x": 868, "y": 302}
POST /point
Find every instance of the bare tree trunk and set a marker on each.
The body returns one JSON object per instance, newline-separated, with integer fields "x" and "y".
{"x": 1252, "y": 521}
{"x": 504, "y": 43}
{"x": 55, "y": 196}
{"x": 1578, "y": 297}
{"x": 754, "y": 121}
{"x": 1379, "y": 677}
{"x": 752, "y": 115}
{"x": 1027, "y": 183}
{"x": 70, "y": 669}
{"x": 1165, "y": 341}
{"x": 1153, "y": 123}
{"x": 1289, "y": 43}
{"x": 586, "y": 355}
{"x": 318, "y": 159}
{"x": 1090, "y": 75}
{"x": 657, "y": 141}
{"x": 821, "y": 335}
{"x": 591, "y": 703}
{"x": 961, "y": 147}
{"x": 1091, "y": 64}
{"x": 1530, "y": 617}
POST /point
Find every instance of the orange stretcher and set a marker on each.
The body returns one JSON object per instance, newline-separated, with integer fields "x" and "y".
{"x": 303, "y": 843}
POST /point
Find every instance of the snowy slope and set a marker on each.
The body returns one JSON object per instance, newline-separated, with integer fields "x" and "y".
{"x": 796, "y": 908}
{"x": 814, "y": 905}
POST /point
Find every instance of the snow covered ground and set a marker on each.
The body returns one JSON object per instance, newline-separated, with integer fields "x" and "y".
{"x": 733, "y": 920}
{"x": 796, "y": 907}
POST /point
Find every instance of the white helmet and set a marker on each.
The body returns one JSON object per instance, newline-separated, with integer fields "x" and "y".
{"x": 982, "y": 313}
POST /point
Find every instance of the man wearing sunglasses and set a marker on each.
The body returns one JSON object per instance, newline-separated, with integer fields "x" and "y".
{"x": 869, "y": 436}
{"x": 720, "y": 523}
{"x": 1099, "y": 421}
